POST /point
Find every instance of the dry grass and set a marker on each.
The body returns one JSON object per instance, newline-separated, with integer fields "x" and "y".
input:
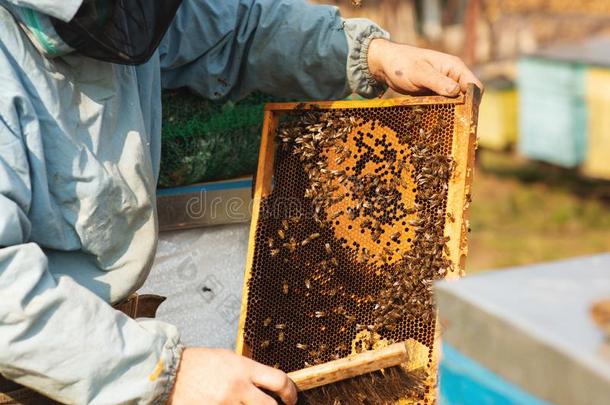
{"x": 525, "y": 212}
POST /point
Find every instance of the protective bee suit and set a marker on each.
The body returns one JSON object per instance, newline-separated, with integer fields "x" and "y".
{"x": 79, "y": 159}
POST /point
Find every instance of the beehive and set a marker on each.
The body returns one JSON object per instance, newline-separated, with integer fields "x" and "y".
{"x": 498, "y": 116}
{"x": 598, "y": 142}
{"x": 552, "y": 111}
{"x": 338, "y": 258}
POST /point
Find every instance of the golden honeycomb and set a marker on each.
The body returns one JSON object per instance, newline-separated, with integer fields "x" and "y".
{"x": 347, "y": 238}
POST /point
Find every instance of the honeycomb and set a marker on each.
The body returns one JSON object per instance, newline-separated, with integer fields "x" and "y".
{"x": 350, "y": 233}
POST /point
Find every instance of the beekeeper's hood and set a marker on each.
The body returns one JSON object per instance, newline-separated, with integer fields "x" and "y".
{"x": 118, "y": 31}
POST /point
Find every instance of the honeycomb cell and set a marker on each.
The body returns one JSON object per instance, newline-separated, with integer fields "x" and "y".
{"x": 351, "y": 234}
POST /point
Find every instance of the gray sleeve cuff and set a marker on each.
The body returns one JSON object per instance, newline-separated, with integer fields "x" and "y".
{"x": 168, "y": 375}
{"x": 359, "y": 33}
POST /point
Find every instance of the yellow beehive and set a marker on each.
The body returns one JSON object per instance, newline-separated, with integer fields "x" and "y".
{"x": 598, "y": 103}
{"x": 356, "y": 203}
{"x": 498, "y": 118}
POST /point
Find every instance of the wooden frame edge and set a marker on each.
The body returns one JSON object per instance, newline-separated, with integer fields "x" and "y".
{"x": 379, "y": 102}
{"x": 262, "y": 187}
{"x": 458, "y": 203}
{"x": 463, "y": 148}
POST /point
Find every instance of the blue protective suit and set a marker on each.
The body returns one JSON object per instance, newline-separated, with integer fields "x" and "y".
{"x": 79, "y": 158}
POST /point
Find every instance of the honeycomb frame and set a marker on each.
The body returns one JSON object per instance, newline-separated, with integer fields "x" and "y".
{"x": 461, "y": 146}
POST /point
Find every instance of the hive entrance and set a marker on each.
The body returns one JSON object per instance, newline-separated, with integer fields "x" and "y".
{"x": 350, "y": 231}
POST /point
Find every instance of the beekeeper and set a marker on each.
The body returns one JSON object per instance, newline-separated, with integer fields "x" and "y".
{"x": 80, "y": 128}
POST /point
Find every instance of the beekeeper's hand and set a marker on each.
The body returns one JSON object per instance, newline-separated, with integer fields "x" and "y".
{"x": 411, "y": 70}
{"x": 220, "y": 377}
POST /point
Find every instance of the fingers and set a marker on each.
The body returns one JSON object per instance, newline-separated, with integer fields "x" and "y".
{"x": 254, "y": 396}
{"x": 461, "y": 74}
{"x": 411, "y": 70}
{"x": 454, "y": 68}
{"x": 425, "y": 75}
{"x": 276, "y": 381}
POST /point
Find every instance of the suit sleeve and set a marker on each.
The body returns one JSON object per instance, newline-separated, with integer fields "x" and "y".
{"x": 227, "y": 49}
{"x": 56, "y": 336}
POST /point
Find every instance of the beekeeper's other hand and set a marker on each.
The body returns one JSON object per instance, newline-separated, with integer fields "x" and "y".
{"x": 220, "y": 377}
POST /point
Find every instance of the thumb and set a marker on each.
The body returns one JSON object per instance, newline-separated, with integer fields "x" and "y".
{"x": 427, "y": 77}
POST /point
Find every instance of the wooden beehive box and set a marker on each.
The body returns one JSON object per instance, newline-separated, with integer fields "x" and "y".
{"x": 358, "y": 206}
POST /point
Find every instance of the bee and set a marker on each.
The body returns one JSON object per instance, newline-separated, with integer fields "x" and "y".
{"x": 307, "y": 283}
{"x": 285, "y": 287}
{"x": 302, "y": 346}
{"x": 295, "y": 219}
{"x": 417, "y": 222}
{"x": 384, "y": 257}
{"x": 340, "y": 310}
{"x": 442, "y": 123}
{"x": 396, "y": 181}
{"x": 274, "y": 252}
{"x": 267, "y": 322}
{"x": 281, "y": 336}
{"x": 276, "y": 365}
{"x": 364, "y": 255}
{"x": 280, "y": 326}
{"x": 341, "y": 347}
{"x": 285, "y": 224}
{"x": 270, "y": 242}
{"x": 450, "y": 217}
{"x": 334, "y": 261}
{"x": 320, "y": 314}
{"x": 265, "y": 344}
{"x": 314, "y": 236}
{"x": 291, "y": 246}
{"x": 328, "y": 249}
{"x": 366, "y": 223}
{"x": 395, "y": 236}
{"x": 281, "y": 233}
{"x": 375, "y": 235}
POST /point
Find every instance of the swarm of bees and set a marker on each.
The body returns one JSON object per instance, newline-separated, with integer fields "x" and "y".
{"x": 406, "y": 286}
{"x": 407, "y": 291}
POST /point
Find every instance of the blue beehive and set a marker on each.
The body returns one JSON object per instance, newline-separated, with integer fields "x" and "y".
{"x": 553, "y": 114}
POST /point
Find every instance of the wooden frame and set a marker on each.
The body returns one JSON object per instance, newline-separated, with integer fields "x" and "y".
{"x": 458, "y": 197}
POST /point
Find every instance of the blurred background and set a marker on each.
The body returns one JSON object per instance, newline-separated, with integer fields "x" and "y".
{"x": 542, "y": 188}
